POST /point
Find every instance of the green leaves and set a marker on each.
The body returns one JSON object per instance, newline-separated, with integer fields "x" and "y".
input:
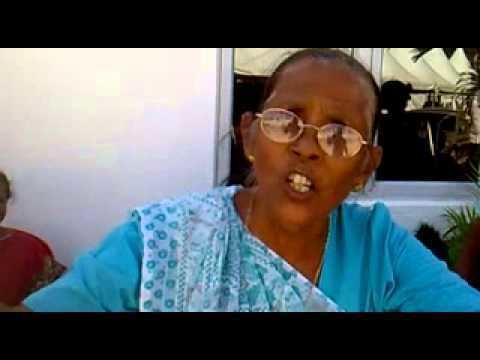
{"x": 468, "y": 82}
{"x": 459, "y": 223}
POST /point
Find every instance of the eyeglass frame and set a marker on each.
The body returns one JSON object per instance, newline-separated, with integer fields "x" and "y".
{"x": 302, "y": 125}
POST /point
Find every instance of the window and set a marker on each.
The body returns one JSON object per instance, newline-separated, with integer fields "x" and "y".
{"x": 426, "y": 128}
{"x": 424, "y": 120}
{"x": 411, "y": 199}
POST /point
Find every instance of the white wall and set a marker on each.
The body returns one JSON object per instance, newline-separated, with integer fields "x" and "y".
{"x": 87, "y": 134}
{"x": 412, "y": 203}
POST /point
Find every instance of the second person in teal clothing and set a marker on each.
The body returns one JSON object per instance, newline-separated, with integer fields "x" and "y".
{"x": 310, "y": 146}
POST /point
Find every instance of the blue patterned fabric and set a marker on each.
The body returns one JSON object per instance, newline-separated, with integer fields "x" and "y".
{"x": 198, "y": 256}
{"x": 371, "y": 264}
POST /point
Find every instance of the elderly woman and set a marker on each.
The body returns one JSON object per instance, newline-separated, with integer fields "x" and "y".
{"x": 26, "y": 262}
{"x": 288, "y": 243}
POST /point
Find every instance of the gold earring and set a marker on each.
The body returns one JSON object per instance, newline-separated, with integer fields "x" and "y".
{"x": 251, "y": 158}
{"x": 358, "y": 188}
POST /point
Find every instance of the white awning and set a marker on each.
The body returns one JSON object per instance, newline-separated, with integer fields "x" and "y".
{"x": 439, "y": 63}
{"x": 459, "y": 61}
{"x": 432, "y": 69}
{"x": 393, "y": 70}
{"x": 420, "y": 69}
{"x": 260, "y": 61}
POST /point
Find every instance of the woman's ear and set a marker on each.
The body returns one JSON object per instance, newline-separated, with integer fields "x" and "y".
{"x": 248, "y": 132}
{"x": 376, "y": 154}
{"x": 370, "y": 163}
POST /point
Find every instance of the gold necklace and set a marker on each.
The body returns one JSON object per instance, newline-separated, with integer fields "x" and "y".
{"x": 247, "y": 223}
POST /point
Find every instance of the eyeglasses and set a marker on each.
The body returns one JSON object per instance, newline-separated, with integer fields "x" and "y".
{"x": 336, "y": 140}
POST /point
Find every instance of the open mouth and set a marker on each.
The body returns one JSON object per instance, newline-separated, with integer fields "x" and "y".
{"x": 300, "y": 183}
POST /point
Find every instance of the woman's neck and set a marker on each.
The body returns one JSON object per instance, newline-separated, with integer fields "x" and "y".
{"x": 296, "y": 239}
{"x": 302, "y": 245}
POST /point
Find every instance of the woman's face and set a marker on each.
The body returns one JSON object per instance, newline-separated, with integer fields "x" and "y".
{"x": 319, "y": 93}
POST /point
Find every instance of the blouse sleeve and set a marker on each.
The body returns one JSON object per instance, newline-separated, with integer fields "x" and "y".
{"x": 420, "y": 282}
{"x": 105, "y": 279}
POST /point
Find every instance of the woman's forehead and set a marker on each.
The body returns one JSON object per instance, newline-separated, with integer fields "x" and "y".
{"x": 332, "y": 83}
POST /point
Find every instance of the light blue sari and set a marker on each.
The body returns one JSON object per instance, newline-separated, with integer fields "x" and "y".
{"x": 198, "y": 256}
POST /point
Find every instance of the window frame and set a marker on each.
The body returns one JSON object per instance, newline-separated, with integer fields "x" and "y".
{"x": 223, "y": 127}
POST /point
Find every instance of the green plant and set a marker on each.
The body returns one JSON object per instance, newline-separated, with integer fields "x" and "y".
{"x": 432, "y": 240}
{"x": 459, "y": 222}
{"x": 469, "y": 81}
{"x": 468, "y": 84}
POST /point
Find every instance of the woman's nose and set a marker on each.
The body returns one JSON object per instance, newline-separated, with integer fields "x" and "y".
{"x": 306, "y": 146}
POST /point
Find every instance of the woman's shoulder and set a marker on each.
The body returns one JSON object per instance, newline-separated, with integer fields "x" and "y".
{"x": 374, "y": 225}
{"x": 355, "y": 213}
{"x": 374, "y": 222}
{"x": 189, "y": 204}
{"x": 176, "y": 214}
{"x": 24, "y": 239}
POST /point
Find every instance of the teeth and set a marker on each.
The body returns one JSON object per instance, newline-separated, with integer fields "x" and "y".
{"x": 300, "y": 179}
{"x": 299, "y": 188}
{"x": 300, "y": 182}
